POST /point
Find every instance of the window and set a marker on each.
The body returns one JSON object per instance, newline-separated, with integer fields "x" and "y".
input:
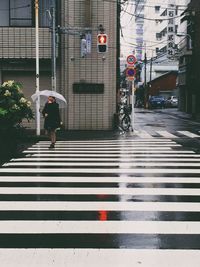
{"x": 44, "y": 5}
{"x": 157, "y": 9}
{"x": 158, "y": 36}
{"x": 21, "y": 13}
{"x": 4, "y": 13}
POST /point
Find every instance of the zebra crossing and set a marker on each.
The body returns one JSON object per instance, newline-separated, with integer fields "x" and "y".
{"x": 166, "y": 134}
{"x": 116, "y": 202}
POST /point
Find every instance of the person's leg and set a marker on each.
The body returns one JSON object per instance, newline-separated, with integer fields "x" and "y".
{"x": 52, "y": 134}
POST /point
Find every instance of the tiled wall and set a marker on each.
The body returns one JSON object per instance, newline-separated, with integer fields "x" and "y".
{"x": 89, "y": 111}
{"x": 20, "y": 43}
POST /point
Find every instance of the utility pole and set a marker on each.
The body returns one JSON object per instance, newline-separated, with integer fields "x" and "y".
{"x": 145, "y": 79}
{"x": 37, "y": 67}
{"x": 53, "y": 45}
{"x": 151, "y": 63}
{"x": 145, "y": 69}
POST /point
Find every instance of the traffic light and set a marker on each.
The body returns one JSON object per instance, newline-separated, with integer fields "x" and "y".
{"x": 102, "y": 43}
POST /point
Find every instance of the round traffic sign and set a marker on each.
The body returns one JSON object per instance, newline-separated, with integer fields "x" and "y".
{"x": 130, "y": 71}
{"x": 131, "y": 59}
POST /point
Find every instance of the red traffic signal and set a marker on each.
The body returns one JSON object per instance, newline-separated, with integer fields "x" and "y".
{"x": 102, "y": 38}
{"x": 102, "y": 42}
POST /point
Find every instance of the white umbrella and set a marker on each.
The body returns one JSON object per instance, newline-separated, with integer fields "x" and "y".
{"x": 45, "y": 94}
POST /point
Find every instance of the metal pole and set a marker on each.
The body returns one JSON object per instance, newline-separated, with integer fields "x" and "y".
{"x": 53, "y": 45}
{"x": 37, "y": 67}
{"x": 133, "y": 108}
{"x": 151, "y": 63}
{"x": 145, "y": 69}
{"x": 118, "y": 51}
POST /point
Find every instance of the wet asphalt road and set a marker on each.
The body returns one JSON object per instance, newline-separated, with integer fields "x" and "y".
{"x": 90, "y": 202}
{"x": 170, "y": 120}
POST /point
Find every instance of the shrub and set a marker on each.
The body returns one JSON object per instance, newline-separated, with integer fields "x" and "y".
{"x": 14, "y": 107}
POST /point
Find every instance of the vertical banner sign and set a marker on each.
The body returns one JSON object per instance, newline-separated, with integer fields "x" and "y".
{"x": 171, "y": 31}
{"x": 88, "y": 37}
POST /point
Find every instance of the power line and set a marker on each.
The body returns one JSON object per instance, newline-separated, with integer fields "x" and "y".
{"x": 129, "y": 2}
{"x": 162, "y": 6}
{"x": 155, "y": 43}
{"x": 11, "y": 8}
{"x": 155, "y": 19}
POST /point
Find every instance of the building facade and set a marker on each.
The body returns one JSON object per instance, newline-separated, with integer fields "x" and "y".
{"x": 189, "y": 75}
{"x": 162, "y": 27}
{"x": 86, "y": 78}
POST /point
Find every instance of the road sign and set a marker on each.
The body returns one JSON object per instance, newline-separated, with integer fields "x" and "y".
{"x": 131, "y": 59}
{"x": 88, "y": 38}
{"x": 130, "y": 73}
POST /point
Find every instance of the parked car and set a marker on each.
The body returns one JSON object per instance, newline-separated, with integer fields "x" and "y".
{"x": 172, "y": 102}
{"x": 157, "y": 102}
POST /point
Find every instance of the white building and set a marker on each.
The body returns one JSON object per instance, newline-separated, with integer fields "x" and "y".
{"x": 162, "y": 24}
{"x": 127, "y": 28}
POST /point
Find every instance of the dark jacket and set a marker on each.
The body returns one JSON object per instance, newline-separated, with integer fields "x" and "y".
{"x": 52, "y": 120}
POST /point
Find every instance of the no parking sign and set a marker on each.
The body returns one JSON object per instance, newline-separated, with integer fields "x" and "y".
{"x": 130, "y": 73}
{"x": 131, "y": 59}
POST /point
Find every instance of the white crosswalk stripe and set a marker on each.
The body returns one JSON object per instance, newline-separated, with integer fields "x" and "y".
{"x": 188, "y": 134}
{"x": 142, "y": 134}
{"x": 165, "y": 134}
{"x": 94, "y": 202}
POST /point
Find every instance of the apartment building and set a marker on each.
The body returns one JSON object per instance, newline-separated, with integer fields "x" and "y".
{"x": 162, "y": 28}
{"x": 139, "y": 28}
{"x": 188, "y": 79}
{"x": 127, "y": 28}
{"x": 87, "y": 81}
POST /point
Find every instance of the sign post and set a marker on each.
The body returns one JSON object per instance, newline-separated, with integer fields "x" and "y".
{"x": 130, "y": 74}
{"x": 133, "y": 102}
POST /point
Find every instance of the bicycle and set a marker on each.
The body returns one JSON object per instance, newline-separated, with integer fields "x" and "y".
{"x": 124, "y": 118}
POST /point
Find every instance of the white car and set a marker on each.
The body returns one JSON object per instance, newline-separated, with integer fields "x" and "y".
{"x": 172, "y": 102}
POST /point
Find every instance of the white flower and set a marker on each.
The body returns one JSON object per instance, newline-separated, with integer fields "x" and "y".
{"x": 4, "y": 84}
{"x": 8, "y": 83}
{"x": 7, "y": 93}
{"x": 15, "y": 107}
{"x": 28, "y": 103}
{"x": 22, "y": 100}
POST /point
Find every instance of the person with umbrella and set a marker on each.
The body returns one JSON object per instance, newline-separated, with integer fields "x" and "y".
{"x": 52, "y": 119}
